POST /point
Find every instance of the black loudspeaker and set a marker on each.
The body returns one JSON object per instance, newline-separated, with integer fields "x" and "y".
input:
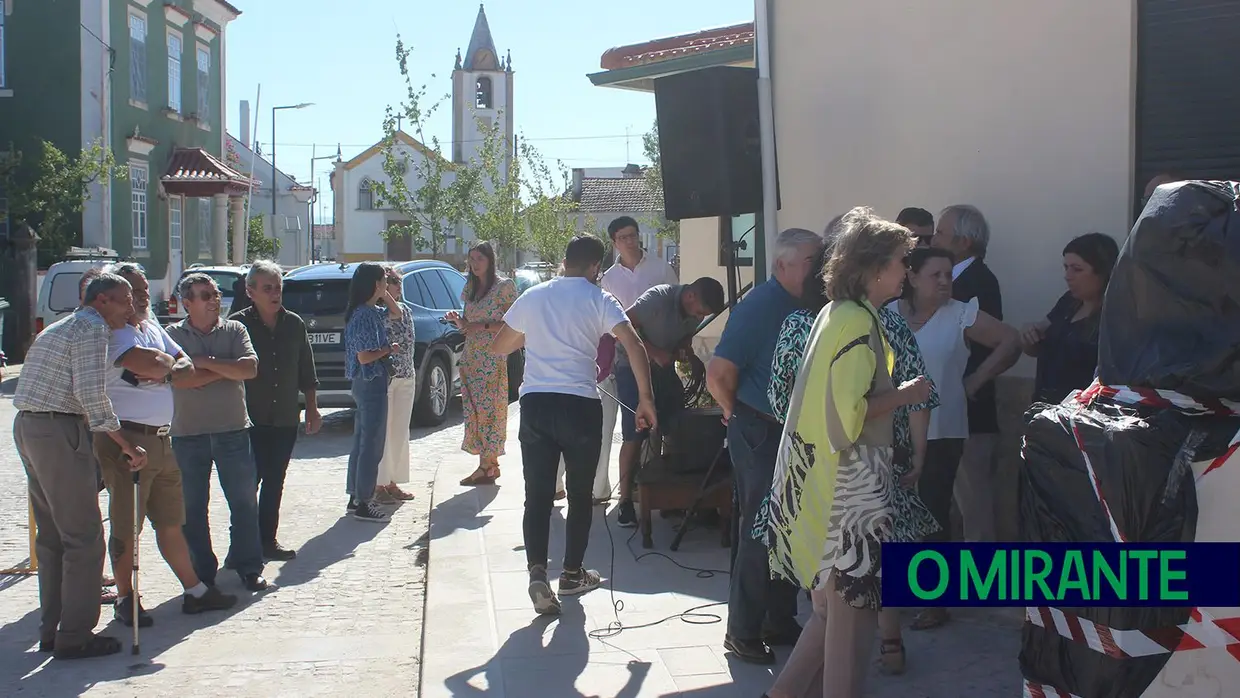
{"x": 709, "y": 143}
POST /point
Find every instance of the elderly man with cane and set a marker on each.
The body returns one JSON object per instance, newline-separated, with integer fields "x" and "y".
{"x": 143, "y": 365}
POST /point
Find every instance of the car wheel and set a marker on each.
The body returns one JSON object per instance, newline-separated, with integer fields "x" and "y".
{"x": 431, "y": 407}
{"x": 516, "y": 374}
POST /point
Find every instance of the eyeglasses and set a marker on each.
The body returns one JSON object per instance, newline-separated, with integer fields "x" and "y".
{"x": 205, "y": 296}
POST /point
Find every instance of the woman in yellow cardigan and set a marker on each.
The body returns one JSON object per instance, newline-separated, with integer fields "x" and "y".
{"x": 830, "y": 506}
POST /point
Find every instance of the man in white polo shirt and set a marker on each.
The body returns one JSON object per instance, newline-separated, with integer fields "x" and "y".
{"x": 560, "y": 324}
{"x": 143, "y": 362}
{"x": 632, "y": 274}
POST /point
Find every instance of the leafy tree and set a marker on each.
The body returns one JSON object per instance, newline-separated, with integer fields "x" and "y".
{"x": 257, "y": 244}
{"x": 654, "y": 180}
{"x": 50, "y": 193}
{"x": 495, "y": 178}
{"x": 440, "y": 200}
{"x": 552, "y": 218}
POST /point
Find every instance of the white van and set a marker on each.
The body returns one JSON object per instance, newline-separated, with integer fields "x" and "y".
{"x": 58, "y": 294}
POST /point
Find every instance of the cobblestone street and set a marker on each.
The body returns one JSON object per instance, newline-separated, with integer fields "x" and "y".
{"x": 346, "y": 616}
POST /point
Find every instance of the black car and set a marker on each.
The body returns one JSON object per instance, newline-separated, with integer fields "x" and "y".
{"x": 319, "y": 293}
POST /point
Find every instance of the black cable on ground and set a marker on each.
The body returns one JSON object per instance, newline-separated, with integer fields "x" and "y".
{"x": 692, "y": 616}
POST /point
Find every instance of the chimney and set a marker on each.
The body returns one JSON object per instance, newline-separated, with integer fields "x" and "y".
{"x": 245, "y": 122}
{"x": 579, "y": 174}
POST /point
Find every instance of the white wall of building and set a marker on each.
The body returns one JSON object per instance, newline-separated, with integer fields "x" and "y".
{"x": 1022, "y": 109}
{"x": 359, "y": 231}
{"x": 699, "y": 244}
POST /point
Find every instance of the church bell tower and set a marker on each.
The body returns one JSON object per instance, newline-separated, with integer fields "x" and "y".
{"x": 481, "y": 90}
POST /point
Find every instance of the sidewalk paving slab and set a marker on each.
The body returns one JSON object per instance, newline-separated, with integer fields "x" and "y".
{"x": 482, "y": 638}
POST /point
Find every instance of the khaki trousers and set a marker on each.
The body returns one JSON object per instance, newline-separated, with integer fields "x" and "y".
{"x": 975, "y": 487}
{"x": 55, "y": 450}
{"x": 832, "y": 658}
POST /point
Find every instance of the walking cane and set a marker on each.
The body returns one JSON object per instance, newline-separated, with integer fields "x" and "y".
{"x": 137, "y": 529}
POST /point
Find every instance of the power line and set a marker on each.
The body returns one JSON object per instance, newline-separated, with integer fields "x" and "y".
{"x": 472, "y": 140}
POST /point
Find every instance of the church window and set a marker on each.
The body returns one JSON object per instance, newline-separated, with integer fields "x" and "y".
{"x": 365, "y": 196}
{"x": 482, "y": 93}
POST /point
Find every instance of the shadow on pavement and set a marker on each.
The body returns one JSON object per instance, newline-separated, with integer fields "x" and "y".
{"x": 335, "y": 439}
{"x": 520, "y": 677}
{"x": 462, "y": 511}
{"x": 326, "y": 549}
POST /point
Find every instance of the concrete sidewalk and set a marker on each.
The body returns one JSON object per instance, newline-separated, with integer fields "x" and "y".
{"x": 482, "y": 638}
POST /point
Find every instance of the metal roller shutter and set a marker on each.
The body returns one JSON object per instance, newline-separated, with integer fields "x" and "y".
{"x": 1188, "y": 90}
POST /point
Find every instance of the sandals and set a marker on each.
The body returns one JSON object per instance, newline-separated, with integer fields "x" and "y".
{"x": 96, "y": 646}
{"x": 482, "y": 476}
{"x": 930, "y": 619}
{"x": 106, "y": 597}
{"x": 891, "y": 657}
{"x": 397, "y": 493}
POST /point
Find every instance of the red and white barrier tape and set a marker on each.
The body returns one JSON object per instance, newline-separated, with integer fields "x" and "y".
{"x": 1202, "y": 632}
{"x": 1158, "y": 398}
{"x": 1041, "y": 690}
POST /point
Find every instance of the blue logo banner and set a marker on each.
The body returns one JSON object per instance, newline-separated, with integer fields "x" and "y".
{"x": 1061, "y": 574}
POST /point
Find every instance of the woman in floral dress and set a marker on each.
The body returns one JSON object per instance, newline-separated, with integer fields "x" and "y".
{"x": 484, "y": 376}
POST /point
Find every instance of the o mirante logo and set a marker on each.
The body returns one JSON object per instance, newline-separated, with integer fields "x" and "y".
{"x": 1061, "y": 574}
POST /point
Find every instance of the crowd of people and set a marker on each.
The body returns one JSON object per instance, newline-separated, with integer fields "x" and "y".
{"x": 898, "y": 323}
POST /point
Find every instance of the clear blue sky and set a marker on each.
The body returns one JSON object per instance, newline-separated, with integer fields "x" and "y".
{"x": 341, "y": 56}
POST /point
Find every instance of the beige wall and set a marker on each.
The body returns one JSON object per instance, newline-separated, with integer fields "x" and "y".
{"x": 699, "y": 244}
{"x": 1021, "y": 108}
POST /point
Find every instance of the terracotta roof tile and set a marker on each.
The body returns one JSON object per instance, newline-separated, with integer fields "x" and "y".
{"x": 197, "y": 165}
{"x": 678, "y": 46}
{"x": 629, "y": 194}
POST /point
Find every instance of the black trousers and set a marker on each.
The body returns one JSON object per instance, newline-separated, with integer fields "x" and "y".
{"x": 555, "y": 424}
{"x": 938, "y": 478}
{"x": 273, "y": 449}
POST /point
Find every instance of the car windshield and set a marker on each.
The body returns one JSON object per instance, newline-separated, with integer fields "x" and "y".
{"x": 316, "y": 298}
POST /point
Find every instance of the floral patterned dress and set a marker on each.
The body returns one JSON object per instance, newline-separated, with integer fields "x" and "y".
{"x": 911, "y": 520}
{"x": 484, "y": 376}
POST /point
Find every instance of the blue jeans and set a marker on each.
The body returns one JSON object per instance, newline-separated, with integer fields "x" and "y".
{"x": 369, "y": 432}
{"x": 230, "y": 452}
{"x": 754, "y": 599}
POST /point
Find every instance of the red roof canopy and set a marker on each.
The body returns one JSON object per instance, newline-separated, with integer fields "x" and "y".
{"x": 196, "y": 173}
{"x": 678, "y": 46}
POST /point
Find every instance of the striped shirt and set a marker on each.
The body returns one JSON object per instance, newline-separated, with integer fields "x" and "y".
{"x": 66, "y": 369}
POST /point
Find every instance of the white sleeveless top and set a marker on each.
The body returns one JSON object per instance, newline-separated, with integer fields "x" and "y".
{"x": 946, "y": 353}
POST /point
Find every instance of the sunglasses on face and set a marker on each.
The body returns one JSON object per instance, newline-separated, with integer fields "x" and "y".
{"x": 204, "y": 296}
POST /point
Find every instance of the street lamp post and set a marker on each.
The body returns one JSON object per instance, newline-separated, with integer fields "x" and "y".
{"x": 315, "y": 198}
{"x": 303, "y": 105}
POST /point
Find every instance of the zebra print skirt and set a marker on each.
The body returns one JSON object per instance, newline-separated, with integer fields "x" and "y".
{"x": 816, "y": 526}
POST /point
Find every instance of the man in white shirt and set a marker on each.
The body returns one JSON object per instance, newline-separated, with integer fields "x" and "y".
{"x": 633, "y": 273}
{"x": 143, "y": 361}
{"x": 560, "y": 324}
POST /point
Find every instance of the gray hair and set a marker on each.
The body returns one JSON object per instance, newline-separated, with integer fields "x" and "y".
{"x": 970, "y": 225}
{"x": 792, "y": 240}
{"x": 190, "y": 281}
{"x": 125, "y": 269}
{"x": 103, "y": 284}
{"x": 262, "y": 267}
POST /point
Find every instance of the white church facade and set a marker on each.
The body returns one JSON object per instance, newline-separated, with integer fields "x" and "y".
{"x": 482, "y": 89}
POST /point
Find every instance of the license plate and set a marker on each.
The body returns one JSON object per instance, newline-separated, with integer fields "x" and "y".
{"x": 324, "y": 337}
